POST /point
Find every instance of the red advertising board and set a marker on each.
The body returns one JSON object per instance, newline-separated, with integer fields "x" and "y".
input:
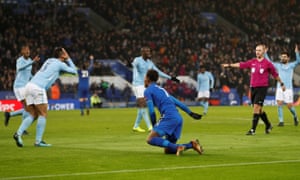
{"x": 10, "y": 105}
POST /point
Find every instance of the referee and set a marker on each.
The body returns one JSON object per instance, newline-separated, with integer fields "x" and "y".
{"x": 260, "y": 68}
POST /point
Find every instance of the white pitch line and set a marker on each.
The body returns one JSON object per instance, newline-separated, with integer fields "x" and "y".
{"x": 150, "y": 169}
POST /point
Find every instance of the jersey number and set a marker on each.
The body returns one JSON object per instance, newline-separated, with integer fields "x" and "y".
{"x": 84, "y": 74}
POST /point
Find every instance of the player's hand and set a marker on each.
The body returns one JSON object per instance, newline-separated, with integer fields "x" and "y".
{"x": 296, "y": 49}
{"x": 36, "y": 58}
{"x": 283, "y": 88}
{"x": 65, "y": 54}
{"x": 91, "y": 56}
{"x": 175, "y": 79}
{"x": 195, "y": 115}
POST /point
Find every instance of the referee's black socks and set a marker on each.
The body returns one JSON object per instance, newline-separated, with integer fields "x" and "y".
{"x": 255, "y": 121}
{"x": 265, "y": 119}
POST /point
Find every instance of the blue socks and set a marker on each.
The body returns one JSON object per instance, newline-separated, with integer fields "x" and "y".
{"x": 142, "y": 113}
{"x": 16, "y": 113}
{"x": 25, "y": 114}
{"x": 40, "y": 128}
{"x": 292, "y": 110}
{"x": 81, "y": 105}
{"x": 87, "y": 104}
{"x": 200, "y": 103}
{"x": 280, "y": 113}
{"x": 146, "y": 117}
{"x": 205, "y": 106}
{"x": 188, "y": 145}
{"x": 138, "y": 118}
{"x": 25, "y": 124}
{"x": 158, "y": 141}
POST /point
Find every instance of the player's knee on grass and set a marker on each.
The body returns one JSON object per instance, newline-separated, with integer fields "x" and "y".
{"x": 141, "y": 102}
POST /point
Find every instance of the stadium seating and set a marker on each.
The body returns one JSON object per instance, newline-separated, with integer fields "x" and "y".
{"x": 175, "y": 30}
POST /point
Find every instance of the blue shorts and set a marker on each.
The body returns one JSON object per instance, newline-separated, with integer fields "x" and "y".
{"x": 169, "y": 126}
{"x": 83, "y": 93}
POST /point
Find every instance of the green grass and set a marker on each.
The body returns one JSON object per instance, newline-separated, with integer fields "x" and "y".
{"x": 102, "y": 146}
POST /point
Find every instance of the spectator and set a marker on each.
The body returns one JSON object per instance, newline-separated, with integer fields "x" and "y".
{"x": 95, "y": 101}
{"x": 127, "y": 94}
{"x": 55, "y": 91}
{"x": 103, "y": 87}
{"x": 163, "y": 25}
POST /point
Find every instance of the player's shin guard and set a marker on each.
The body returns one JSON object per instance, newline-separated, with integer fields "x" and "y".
{"x": 265, "y": 119}
{"x": 146, "y": 118}
{"x": 201, "y": 103}
{"x": 293, "y": 111}
{"x": 40, "y": 128}
{"x": 87, "y": 104}
{"x": 25, "y": 114}
{"x": 205, "y": 105}
{"x": 280, "y": 113}
{"x": 81, "y": 104}
{"x": 255, "y": 121}
{"x": 138, "y": 118}
{"x": 25, "y": 124}
{"x": 16, "y": 113}
{"x": 158, "y": 141}
{"x": 172, "y": 139}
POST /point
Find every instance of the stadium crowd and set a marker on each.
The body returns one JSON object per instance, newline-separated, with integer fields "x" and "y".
{"x": 181, "y": 38}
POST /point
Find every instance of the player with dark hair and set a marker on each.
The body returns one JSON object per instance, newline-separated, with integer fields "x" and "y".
{"x": 205, "y": 82}
{"x": 285, "y": 70}
{"x": 261, "y": 68}
{"x": 83, "y": 85}
{"x": 140, "y": 66}
{"x": 36, "y": 95}
{"x": 170, "y": 123}
{"x": 23, "y": 75}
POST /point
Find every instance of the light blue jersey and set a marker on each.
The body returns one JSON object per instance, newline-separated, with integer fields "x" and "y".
{"x": 51, "y": 70}
{"x": 285, "y": 71}
{"x": 23, "y": 71}
{"x": 205, "y": 81}
{"x": 140, "y": 68}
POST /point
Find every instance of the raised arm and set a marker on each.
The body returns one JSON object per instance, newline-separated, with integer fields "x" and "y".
{"x": 70, "y": 68}
{"x": 234, "y": 65}
{"x": 268, "y": 57}
{"x": 24, "y": 64}
{"x": 164, "y": 75}
{"x": 90, "y": 68}
{"x": 212, "y": 81}
{"x": 297, "y": 54}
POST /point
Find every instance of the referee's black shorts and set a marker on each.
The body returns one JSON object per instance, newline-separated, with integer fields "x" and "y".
{"x": 258, "y": 95}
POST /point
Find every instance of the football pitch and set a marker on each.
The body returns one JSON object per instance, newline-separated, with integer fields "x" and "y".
{"x": 103, "y": 146}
